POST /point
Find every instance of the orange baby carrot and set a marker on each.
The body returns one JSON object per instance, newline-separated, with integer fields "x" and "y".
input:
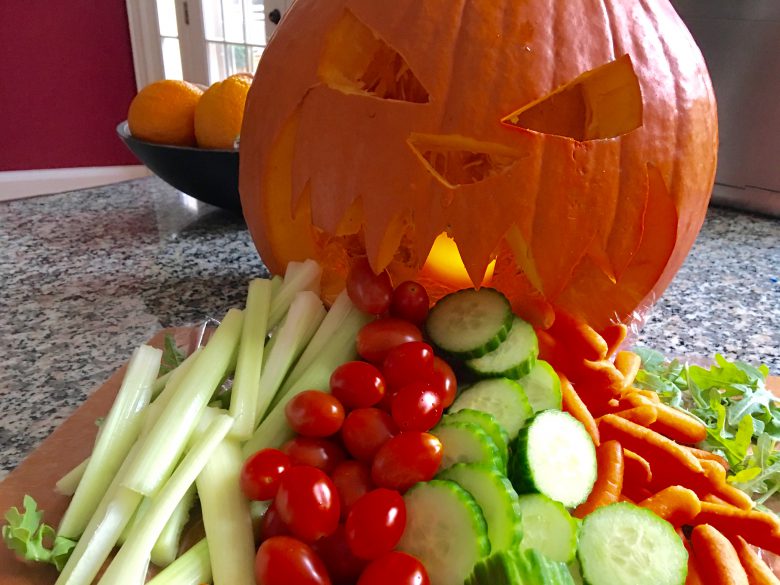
{"x": 609, "y": 479}
{"x": 574, "y": 405}
{"x": 760, "y": 529}
{"x": 628, "y": 364}
{"x": 758, "y": 573}
{"x": 701, "y": 454}
{"x": 581, "y": 339}
{"x": 636, "y": 398}
{"x": 693, "y": 577}
{"x": 614, "y": 336}
{"x": 550, "y": 350}
{"x": 637, "y": 468}
{"x": 678, "y": 425}
{"x": 716, "y": 557}
{"x": 719, "y": 487}
{"x": 600, "y": 375}
{"x": 649, "y": 394}
{"x": 675, "y": 504}
{"x": 641, "y": 415}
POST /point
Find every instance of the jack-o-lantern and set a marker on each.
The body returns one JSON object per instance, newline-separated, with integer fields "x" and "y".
{"x": 561, "y": 150}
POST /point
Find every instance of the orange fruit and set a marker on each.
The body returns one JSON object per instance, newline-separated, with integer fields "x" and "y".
{"x": 164, "y": 112}
{"x": 220, "y": 111}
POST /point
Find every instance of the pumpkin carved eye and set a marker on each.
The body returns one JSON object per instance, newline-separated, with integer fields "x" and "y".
{"x": 356, "y": 60}
{"x": 605, "y": 102}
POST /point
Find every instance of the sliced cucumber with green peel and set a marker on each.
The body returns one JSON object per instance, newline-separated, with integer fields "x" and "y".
{"x": 554, "y": 456}
{"x": 496, "y": 498}
{"x": 513, "y": 358}
{"x": 548, "y": 527}
{"x": 464, "y": 442}
{"x": 445, "y": 530}
{"x": 527, "y": 567}
{"x": 542, "y": 386}
{"x": 623, "y": 544}
{"x": 470, "y": 323}
{"x": 502, "y": 398}
{"x": 488, "y": 423}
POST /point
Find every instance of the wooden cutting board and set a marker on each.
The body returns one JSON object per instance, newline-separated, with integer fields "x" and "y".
{"x": 65, "y": 448}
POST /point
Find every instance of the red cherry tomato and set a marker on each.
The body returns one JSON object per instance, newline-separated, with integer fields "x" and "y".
{"x": 261, "y": 473}
{"x": 272, "y": 524}
{"x": 444, "y": 381}
{"x": 417, "y": 407}
{"x": 353, "y": 481}
{"x": 371, "y": 293}
{"x": 375, "y": 523}
{"x": 410, "y": 302}
{"x": 395, "y": 568}
{"x": 408, "y": 363}
{"x": 343, "y": 567}
{"x": 386, "y": 403}
{"x": 377, "y": 338}
{"x": 357, "y": 384}
{"x": 314, "y": 414}
{"x": 365, "y": 430}
{"x": 282, "y": 560}
{"x": 405, "y": 460}
{"x": 308, "y": 503}
{"x": 323, "y": 454}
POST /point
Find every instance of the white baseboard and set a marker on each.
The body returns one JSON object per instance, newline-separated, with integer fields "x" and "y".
{"x": 21, "y": 184}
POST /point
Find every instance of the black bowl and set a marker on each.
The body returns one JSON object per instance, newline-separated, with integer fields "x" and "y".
{"x": 208, "y": 175}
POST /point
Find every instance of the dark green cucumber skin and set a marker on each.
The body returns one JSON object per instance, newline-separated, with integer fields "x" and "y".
{"x": 513, "y": 373}
{"x": 518, "y": 470}
{"x": 500, "y": 437}
{"x": 519, "y": 568}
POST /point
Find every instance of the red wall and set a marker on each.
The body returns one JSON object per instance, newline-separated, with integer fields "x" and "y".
{"x": 66, "y": 81}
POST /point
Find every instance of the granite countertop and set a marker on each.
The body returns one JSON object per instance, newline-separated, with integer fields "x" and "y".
{"x": 87, "y": 276}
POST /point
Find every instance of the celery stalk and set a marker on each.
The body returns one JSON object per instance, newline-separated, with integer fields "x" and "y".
{"x": 226, "y": 516}
{"x": 274, "y": 431}
{"x": 132, "y": 561}
{"x": 305, "y": 277}
{"x": 191, "y": 568}
{"x": 117, "y": 435}
{"x": 162, "y": 447}
{"x": 305, "y": 314}
{"x": 160, "y": 382}
{"x": 166, "y": 548}
{"x": 246, "y": 382}
{"x": 68, "y": 483}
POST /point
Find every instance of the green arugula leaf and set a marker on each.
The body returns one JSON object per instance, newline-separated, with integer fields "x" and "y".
{"x": 172, "y": 356}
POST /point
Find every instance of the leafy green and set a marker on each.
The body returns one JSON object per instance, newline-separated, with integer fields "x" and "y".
{"x": 27, "y": 535}
{"x": 172, "y": 356}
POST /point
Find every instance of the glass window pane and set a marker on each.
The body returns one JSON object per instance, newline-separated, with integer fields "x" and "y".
{"x": 217, "y": 64}
{"x": 233, "y": 13}
{"x": 171, "y": 58}
{"x": 237, "y": 60}
{"x": 256, "y": 52}
{"x": 212, "y": 20}
{"x": 166, "y": 16}
{"x": 255, "y": 22}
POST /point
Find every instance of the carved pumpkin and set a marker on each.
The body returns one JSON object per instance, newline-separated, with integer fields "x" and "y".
{"x": 563, "y": 151}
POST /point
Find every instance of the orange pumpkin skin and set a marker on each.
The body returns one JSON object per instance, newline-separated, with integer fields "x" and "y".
{"x": 573, "y": 143}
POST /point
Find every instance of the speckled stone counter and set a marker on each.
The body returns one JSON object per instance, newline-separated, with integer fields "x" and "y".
{"x": 87, "y": 276}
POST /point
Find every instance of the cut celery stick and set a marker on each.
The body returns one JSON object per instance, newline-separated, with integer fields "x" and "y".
{"x": 117, "y": 435}
{"x": 132, "y": 561}
{"x": 191, "y": 568}
{"x": 294, "y": 268}
{"x": 68, "y": 483}
{"x": 137, "y": 518}
{"x": 161, "y": 449}
{"x": 246, "y": 383}
{"x": 226, "y": 517}
{"x": 305, "y": 315}
{"x": 304, "y": 278}
{"x": 166, "y": 548}
{"x": 160, "y": 383}
{"x": 274, "y": 431}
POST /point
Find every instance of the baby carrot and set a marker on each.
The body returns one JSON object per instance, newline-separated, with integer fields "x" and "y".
{"x": 716, "y": 557}
{"x": 550, "y": 350}
{"x": 609, "y": 479}
{"x": 573, "y": 404}
{"x": 641, "y": 415}
{"x": 599, "y": 375}
{"x": 758, "y": 528}
{"x": 679, "y": 425}
{"x": 718, "y": 486}
{"x": 758, "y": 573}
{"x": 675, "y": 504}
{"x": 628, "y": 364}
{"x": 693, "y": 577}
{"x": 702, "y": 455}
{"x": 637, "y": 468}
{"x": 581, "y": 339}
{"x": 649, "y": 394}
{"x": 614, "y": 336}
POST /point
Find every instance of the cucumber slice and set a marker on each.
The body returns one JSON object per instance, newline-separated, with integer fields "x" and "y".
{"x": 501, "y": 397}
{"x": 519, "y": 568}
{"x": 548, "y": 527}
{"x": 542, "y": 386}
{"x": 470, "y": 323}
{"x": 488, "y": 423}
{"x": 554, "y": 456}
{"x": 623, "y": 544}
{"x": 496, "y": 498}
{"x": 464, "y": 442}
{"x": 513, "y": 358}
{"x": 445, "y": 530}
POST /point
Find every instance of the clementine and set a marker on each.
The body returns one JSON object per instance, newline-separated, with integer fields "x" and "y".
{"x": 164, "y": 112}
{"x": 220, "y": 112}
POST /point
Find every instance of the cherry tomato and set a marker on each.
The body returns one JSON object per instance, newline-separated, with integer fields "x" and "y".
{"x": 375, "y": 523}
{"x": 308, "y": 503}
{"x": 444, "y": 381}
{"x": 417, "y": 407}
{"x": 343, "y": 567}
{"x": 395, "y": 568}
{"x": 314, "y": 414}
{"x": 282, "y": 560}
{"x": 371, "y": 293}
{"x": 365, "y": 430}
{"x": 357, "y": 384}
{"x": 323, "y": 454}
{"x": 410, "y": 302}
{"x": 261, "y": 473}
{"x": 408, "y": 363}
{"x": 386, "y": 403}
{"x": 405, "y": 460}
{"x": 352, "y": 480}
{"x": 377, "y": 338}
{"x": 272, "y": 524}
